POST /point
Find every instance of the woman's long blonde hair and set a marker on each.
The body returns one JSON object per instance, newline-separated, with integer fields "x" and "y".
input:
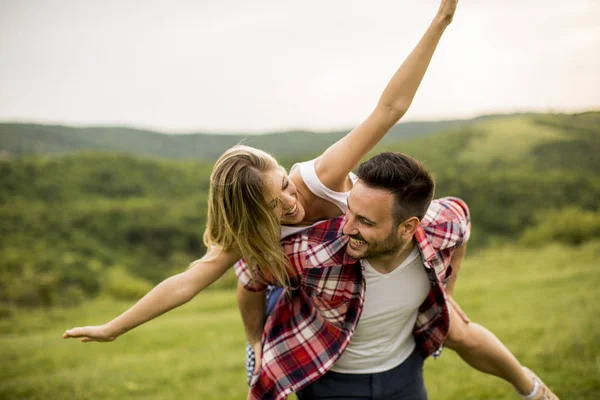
{"x": 239, "y": 218}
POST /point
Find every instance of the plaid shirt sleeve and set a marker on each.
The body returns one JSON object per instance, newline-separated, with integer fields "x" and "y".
{"x": 445, "y": 227}
{"x": 248, "y": 280}
{"x": 461, "y": 217}
{"x": 447, "y": 223}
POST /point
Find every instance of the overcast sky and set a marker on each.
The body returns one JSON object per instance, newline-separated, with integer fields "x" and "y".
{"x": 264, "y": 65}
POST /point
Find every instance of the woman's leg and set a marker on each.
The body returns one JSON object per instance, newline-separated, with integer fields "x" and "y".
{"x": 482, "y": 350}
{"x": 479, "y": 347}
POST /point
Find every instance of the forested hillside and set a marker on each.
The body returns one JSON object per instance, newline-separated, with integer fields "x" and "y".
{"x": 29, "y": 139}
{"x": 77, "y": 225}
{"x": 517, "y": 172}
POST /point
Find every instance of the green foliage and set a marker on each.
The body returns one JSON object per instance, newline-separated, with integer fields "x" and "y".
{"x": 121, "y": 285}
{"x": 49, "y": 249}
{"x": 582, "y": 131}
{"x": 99, "y": 176}
{"x": 43, "y": 276}
{"x": 569, "y": 225}
{"x": 507, "y": 169}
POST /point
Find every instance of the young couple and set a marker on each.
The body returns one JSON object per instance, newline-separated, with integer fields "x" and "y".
{"x": 364, "y": 273}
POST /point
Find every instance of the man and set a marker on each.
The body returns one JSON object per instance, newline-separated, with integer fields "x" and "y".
{"x": 329, "y": 335}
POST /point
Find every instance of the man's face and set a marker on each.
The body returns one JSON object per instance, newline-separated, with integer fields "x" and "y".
{"x": 370, "y": 224}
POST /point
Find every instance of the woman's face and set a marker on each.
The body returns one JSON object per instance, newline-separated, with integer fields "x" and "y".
{"x": 283, "y": 197}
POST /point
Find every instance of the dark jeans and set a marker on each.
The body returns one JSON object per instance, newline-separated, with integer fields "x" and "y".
{"x": 404, "y": 382}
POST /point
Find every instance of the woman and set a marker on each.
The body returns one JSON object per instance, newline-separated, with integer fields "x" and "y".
{"x": 251, "y": 196}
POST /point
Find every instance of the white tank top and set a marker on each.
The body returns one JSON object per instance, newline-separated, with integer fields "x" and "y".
{"x": 311, "y": 180}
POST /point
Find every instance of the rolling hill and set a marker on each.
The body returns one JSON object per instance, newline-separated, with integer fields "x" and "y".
{"x": 31, "y": 139}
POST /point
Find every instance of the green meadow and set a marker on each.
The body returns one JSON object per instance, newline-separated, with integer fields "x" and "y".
{"x": 92, "y": 218}
{"x": 541, "y": 302}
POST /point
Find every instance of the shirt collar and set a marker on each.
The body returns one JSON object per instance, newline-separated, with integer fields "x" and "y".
{"x": 329, "y": 254}
{"x": 425, "y": 246}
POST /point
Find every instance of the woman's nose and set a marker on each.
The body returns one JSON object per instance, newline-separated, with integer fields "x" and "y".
{"x": 288, "y": 200}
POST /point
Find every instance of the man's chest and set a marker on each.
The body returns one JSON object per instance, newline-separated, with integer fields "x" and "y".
{"x": 396, "y": 295}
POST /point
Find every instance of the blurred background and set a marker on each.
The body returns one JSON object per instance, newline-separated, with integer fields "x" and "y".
{"x": 113, "y": 113}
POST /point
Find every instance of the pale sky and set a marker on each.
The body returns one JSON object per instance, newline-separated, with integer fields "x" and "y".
{"x": 265, "y": 65}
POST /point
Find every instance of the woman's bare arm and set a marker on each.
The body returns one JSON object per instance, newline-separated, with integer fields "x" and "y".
{"x": 167, "y": 295}
{"x": 333, "y": 166}
{"x": 252, "y": 309}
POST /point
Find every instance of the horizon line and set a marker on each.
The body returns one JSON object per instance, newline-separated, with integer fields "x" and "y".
{"x": 48, "y": 123}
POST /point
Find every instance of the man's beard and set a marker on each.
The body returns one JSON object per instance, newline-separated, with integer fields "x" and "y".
{"x": 391, "y": 244}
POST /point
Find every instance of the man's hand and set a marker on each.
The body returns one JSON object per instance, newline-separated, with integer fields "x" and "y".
{"x": 90, "y": 334}
{"x": 447, "y": 10}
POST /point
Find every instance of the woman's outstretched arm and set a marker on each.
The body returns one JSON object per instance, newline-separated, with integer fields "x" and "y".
{"x": 337, "y": 161}
{"x": 167, "y": 295}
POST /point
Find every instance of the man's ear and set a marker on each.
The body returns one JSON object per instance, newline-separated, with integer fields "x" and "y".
{"x": 408, "y": 228}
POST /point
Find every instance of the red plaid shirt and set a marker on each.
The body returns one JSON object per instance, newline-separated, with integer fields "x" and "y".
{"x": 310, "y": 328}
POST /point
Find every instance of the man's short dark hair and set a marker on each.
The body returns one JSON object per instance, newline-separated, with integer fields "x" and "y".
{"x": 403, "y": 176}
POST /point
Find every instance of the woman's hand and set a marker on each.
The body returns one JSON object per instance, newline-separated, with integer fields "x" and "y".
{"x": 90, "y": 334}
{"x": 333, "y": 166}
{"x": 167, "y": 295}
{"x": 447, "y": 10}
{"x": 257, "y": 347}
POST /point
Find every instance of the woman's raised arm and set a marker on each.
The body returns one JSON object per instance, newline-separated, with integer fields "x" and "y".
{"x": 337, "y": 161}
{"x": 167, "y": 295}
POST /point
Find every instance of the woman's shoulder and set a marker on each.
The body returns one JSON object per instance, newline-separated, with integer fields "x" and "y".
{"x": 305, "y": 175}
{"x": 319, "y": 201}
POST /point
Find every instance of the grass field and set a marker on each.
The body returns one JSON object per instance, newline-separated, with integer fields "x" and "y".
{"x": 543, "y": 303}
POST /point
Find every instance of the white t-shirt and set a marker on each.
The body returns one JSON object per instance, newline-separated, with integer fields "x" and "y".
{"x": 383, "y": 338}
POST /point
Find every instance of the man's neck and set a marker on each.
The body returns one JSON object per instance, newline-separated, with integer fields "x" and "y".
{"x": 389, "y": 262}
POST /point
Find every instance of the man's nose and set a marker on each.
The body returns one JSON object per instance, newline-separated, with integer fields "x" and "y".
{"x": 350, "y": 227}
